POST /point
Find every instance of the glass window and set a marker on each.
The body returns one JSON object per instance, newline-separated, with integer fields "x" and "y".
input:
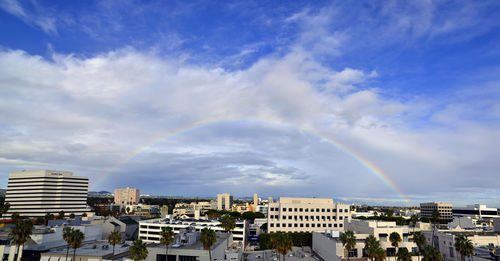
{"x": 301, "y": 225}
{"x": 322, "y": 210}
{"x": 317, "y": 210}
{"x": 284, "y": 209}
{"x": 334, "y": 225}
{"x": 307, "y": 225}
{"x": 330, "y": 225}
{"x": 312, "y": 225}
{"x": 300, "y": 209}
{"x": 307, "y": 210}
{"x": 340, "y": 217}
{"x": 272, "y": 224}
{"x": 290, "y": 225}
{"x": 327, "y": 210}
{"x": 290, "y": 209}
{"x": 295, "y": 209}
{"x": 295, "y": 225}
{"x": 277, "y": 224}
{"x": 340, "y": 225}
{"x": 284, "y": 217}
{"x": 340, "y": 210}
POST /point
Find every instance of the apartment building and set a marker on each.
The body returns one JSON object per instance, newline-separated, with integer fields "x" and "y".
{"x": 149, "y": 230}
{"x": 37, "y": 193}
{"x": 307, "y": 215}
{"x": 445, "y": 210}
{"x": 127, "y": 196}
{"x": 224, "y": 201}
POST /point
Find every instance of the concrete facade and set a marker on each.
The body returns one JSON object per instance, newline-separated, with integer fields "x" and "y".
{"x": 225, "y": 201}
{"x": 127, "y": 196}
{"x": 444, "y": 209}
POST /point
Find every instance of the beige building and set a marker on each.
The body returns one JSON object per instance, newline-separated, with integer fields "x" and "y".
{"x": 445, "y": 210}
{"x": 255, "y": 202}
{"x": 224, "y": 201}
{"x": 127, "y": 196}
{"x": 307, "y": 215}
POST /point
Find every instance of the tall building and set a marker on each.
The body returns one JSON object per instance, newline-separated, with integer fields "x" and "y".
{"x": 444, "y": 209}
{"x": 255, "y": 202}
{"x": 476, "y": 211}
{"x": 307, "y": 215}
{"x": 224, "y": 201}
{"x": 37, "y": 193}
{"x": 127, "y": 196}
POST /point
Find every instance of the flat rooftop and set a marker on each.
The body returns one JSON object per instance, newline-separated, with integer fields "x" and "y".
{"x": 95, "y": 248}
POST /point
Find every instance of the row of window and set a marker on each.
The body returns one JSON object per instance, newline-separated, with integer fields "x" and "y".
{"x": 295, "y": 217}
{"x": 305, "y": 225}
{"x": 310, "y": 210}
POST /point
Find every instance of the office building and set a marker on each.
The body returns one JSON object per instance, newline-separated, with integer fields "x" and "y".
{"x": 476, "y": 211}
{"x": 225, "y": 201}
{"x": 37, "y": 193}
{"x": 127, "y": 196}
{"x": 307, "y": 215}
{"x": 444, "y": 209}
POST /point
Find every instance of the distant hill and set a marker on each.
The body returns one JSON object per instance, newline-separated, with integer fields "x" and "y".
{"x": 100, "y": 194}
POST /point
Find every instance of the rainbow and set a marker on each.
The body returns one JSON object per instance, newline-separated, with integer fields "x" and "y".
{"x": 367, "y": 164}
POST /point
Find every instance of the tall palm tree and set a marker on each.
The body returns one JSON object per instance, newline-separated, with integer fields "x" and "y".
{"x": 76, "y": 239}
{"x": 435, "y": 220}
{"x": 371, "y": 247}
{"x": 431, "y": 254}
{"x": 420, "y": 241}
{"x": 404, "y": 255}
{"x": 395, "y": 238}
{"x": 282, "y": 243}
{"x": 228, "y": 223}
{"x": 20, "y": 233}
{"x": 348, "y": 241}
{"x": 464, "y": 246}
{"x": 380, "y": 254}
{"x": 414, "y": 220}
{"x": 138, "y": 250}
{"x": 67, "y": 237}
{"x": 166, "y": 238}
{"x": 114, "y": 238}
{"x": 208, "y": 238}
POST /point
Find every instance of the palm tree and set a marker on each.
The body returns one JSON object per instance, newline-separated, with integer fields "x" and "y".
{"x": 15, "y": 216}
{"x": 67, "y": 237}
{"x": 435, "y": 219}
{"x": 404, "y": 255}
{"x": 395, "y": 238}
{"x": 414, "y": 220}
{"x": 371, "y": 246}
{"x": 431, "y": 254}
{"x": 138, "y": 250}
{"x": 348, "y": 241}
{"x": 61, "y": 215}
{"x": 380, "y": 254}
{"x": 4, "y": 208}
{"x": 282, "y": 243}
{"x": 76, "y": 239}
{"x": 20, "y": 233}
{"x": 228, "y": 223}
{"x": 464, "y": 246}
{"x": 166, "y": 238}
{"x": 114, "y": 238}
{"x": 208, "y": 238}
{"x": 420, "y": 240}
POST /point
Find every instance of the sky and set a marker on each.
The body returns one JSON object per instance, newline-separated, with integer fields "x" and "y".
{"x": 375, "y": 102}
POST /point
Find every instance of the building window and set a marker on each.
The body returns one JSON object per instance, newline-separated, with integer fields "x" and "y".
{"x": 324, "y": 225}
{"x": 300, "y": 209}
{"x": 346, "y": 210}
{"x": 317, "y": 210}
{"x": 301, "y": 225}
{"x": 312, "y": 209}
{"x": 307, "y": 225}
{"x": 312, "y": 225}
{"x": 284, "y": 217}
{"x": 284, "y": 209}
{"x": 290, "y": 209}
{"x": 330, "y": 225}
{"x": 290, "y": 225}
{"x": 340, "y": 217}
{"x": 277, "y": 224}
{"x": 340, "y": 225}
{"x": 340, "y": 210}
{"x": 295, "y": 225}
{"x": 334, "y": 225}
{"x": 307, "y": 210}
{"x": 327, "y": 210}
{"x": 322, "y": 210}
{"x": 290, "y": 217}
{"x": 272, "y": 224}
{"x": 452, "y": 252}
{"x": 295, "y": 209}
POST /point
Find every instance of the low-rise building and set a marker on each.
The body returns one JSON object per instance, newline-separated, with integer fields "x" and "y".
{"x": 89, "y": 251}
{"x": 476, "y": 211}
{"x": 149, "y": 230}
{"x": 307, "y": 215}
{"x": 126, "y": 225}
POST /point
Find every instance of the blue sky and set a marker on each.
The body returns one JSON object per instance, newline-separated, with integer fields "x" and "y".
{"x": 411, "y": 87}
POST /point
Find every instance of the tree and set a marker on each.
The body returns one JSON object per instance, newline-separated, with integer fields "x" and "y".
{"x": 431, "y": 254}
{"x": 20, "y": 233}
{"x": 166, "y": 238}
{"x": 76, "y": 239}
{"x": 348, "y": 241}
{"x": 84, "y": 215}
{"x": 114, "y": 238}
{"x": 380, "y": 254}
{"x": 213, "y": 214}
{"x": 208, "y": 238}
{"x": 4, "y": 208}
{"x": 420, "y": 240}
{"x": 228, "y": 223}
{"x": 251, "y": 216}
{"x": 282, "y": 243}
{"x": 414, "y": 220}
{"x": 61, "y": 215}
{"x": 404, "y": 255}
{"x": 67, "y": 237}
{"x": 138, "y": 250}
{"x": 389, "y": 212}
{"x": 72, "y": 215}
{"x": 15, "y": 216}
{"x": 395, "y": 238}
{"x": 464, "y": 246}
{"x": 371, "y": 247}
{"x": 435, "y": 219}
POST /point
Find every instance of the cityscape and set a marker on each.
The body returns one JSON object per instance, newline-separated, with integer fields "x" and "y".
{"x": 150, "y": 130}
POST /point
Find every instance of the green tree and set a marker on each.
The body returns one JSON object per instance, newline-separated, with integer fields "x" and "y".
{"x": 76, "y": 239}
{"x": 420, "y": 241}
{"x": 414, "y": 220}
{"x": 4, "y": 208}
{"x": 68, "y": 231}
{"x": 380, "y": 254}
{"x": 213, "y": 214}
{"x": 371, "y": 247}
{"x": 395, "y": 238}
{"x": 61, "y": 215}
{"x": 15, "y": 216}
{"x": 84, "y": 215}
{"x": 435, "y": 220}
{"x": 72, "y": 215}
{"x": 208, "y": 238}
{"x": 114, "y": 238}
{"x": 20, "y": 233}
{"x": 404, "y": 255}
{"x": 389, "y": 212}
{"x": 138, "y": 250}
{"x": 464, "y": 246}
{"x": 228, "y": 223}
{"x": 166, "y": 238}
{"x": 282, "y": 243}
{"x": 348, "y": 241}
{"x": 431, "y": 254}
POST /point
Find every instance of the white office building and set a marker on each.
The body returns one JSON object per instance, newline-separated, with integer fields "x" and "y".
{"x": 476, "y": 211}
{"x": 37, "y": 193}
{"x": 307, "y": 215}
